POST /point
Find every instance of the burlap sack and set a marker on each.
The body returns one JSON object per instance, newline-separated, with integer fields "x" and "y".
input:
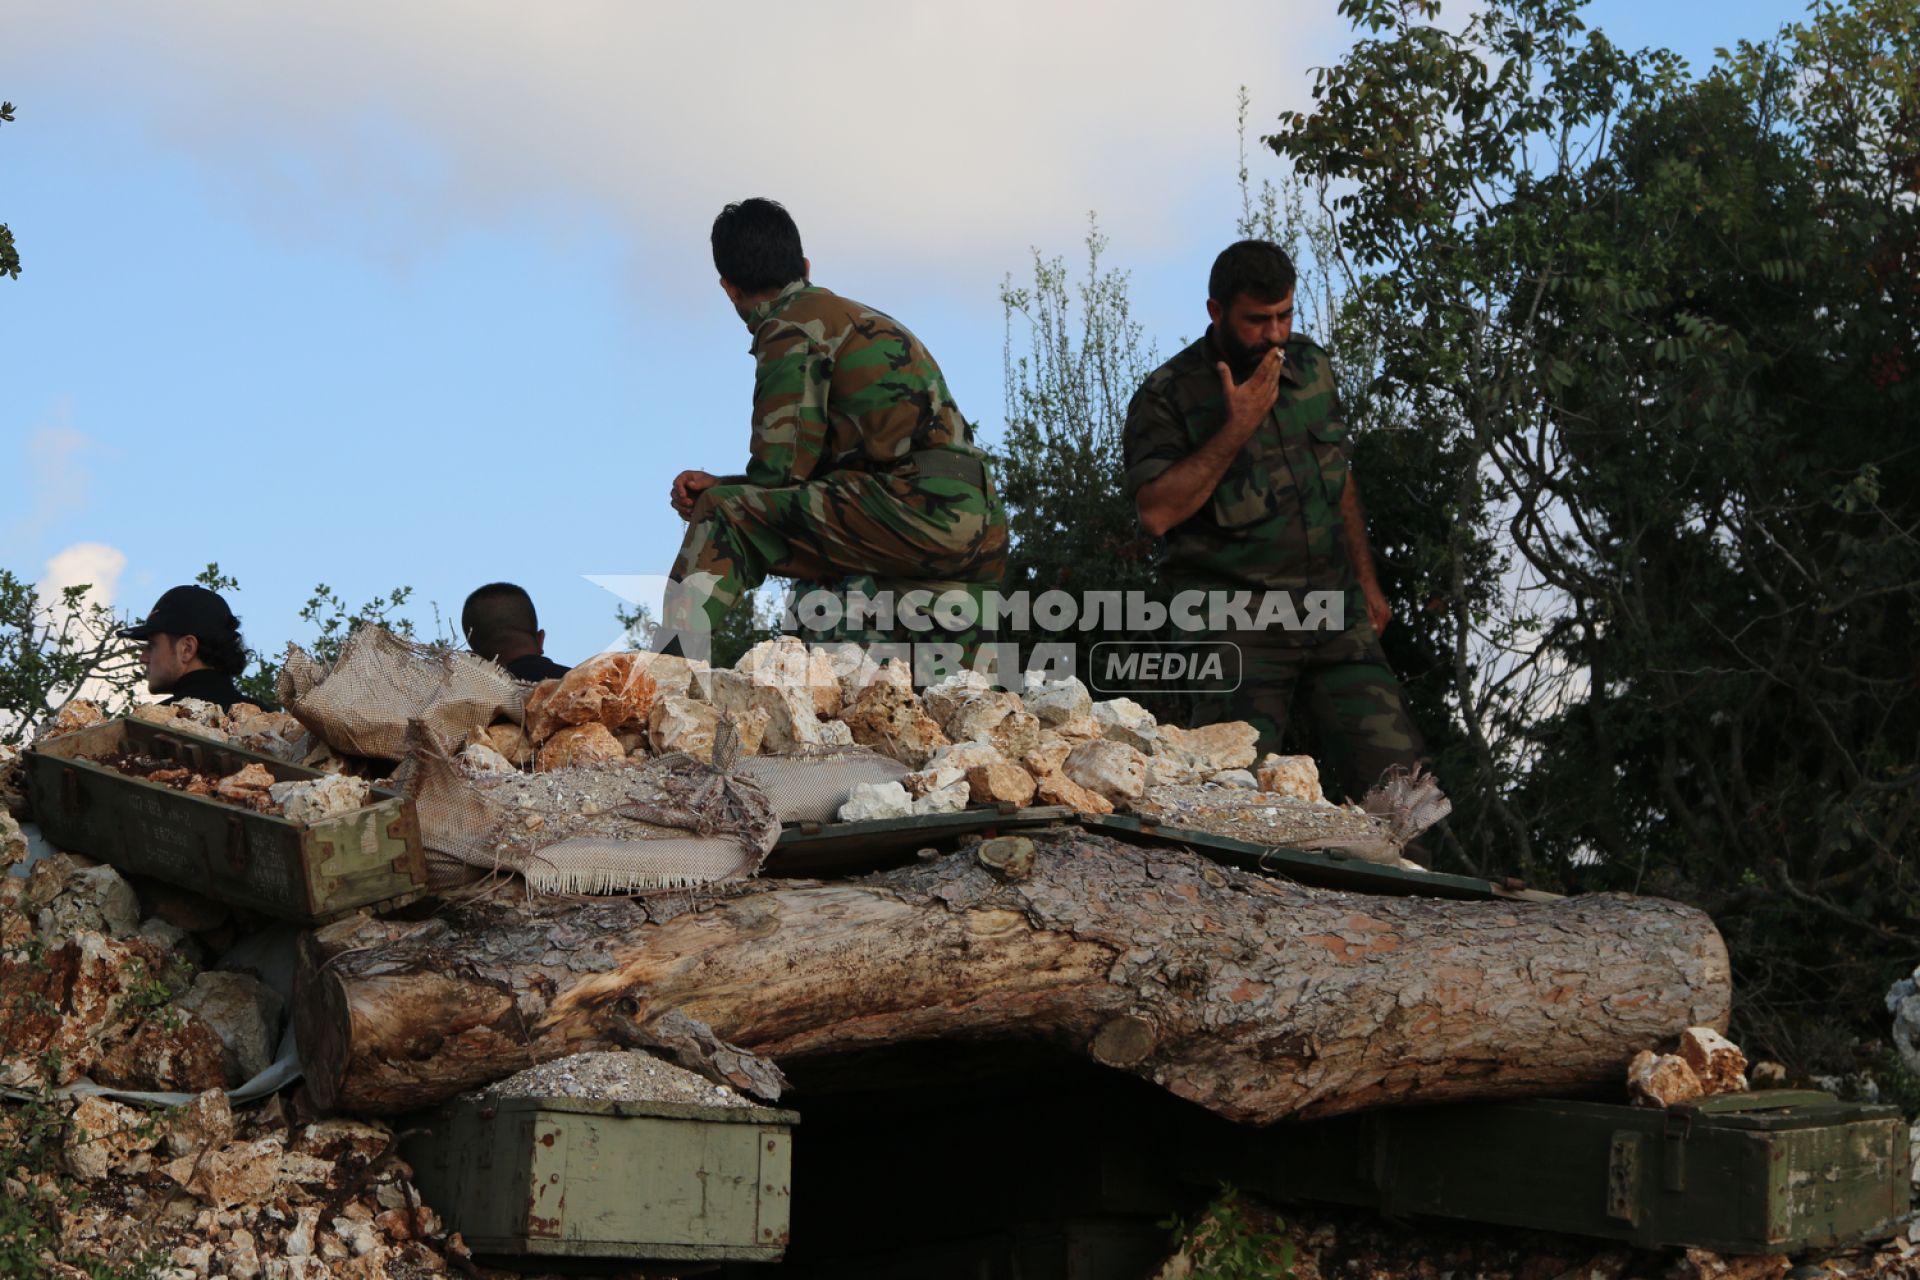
{"x": 810, "y": 786}
{"x": 676, "y": 823}
{"x": 362, "y": 704}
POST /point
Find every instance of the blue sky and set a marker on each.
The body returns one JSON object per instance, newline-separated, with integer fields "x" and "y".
{"x": 372, "y": 294}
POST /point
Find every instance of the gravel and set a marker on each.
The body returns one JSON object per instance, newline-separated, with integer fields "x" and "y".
{"x": 616, "y": 1077}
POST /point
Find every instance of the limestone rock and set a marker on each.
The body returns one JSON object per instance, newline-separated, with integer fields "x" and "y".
{"x": 60, "y": 1007}
{"x": 244, "y": 1012}
{"x": 927, "y": 781}
{"x": 1661, "y": 1079}
{"x": 482, "y": 761}
{"x": 787, "y": 662}
{"x": 1108, "y": 768}
{"x": 1768, "y": 1075}
{"x": 612, "y": 690}
{"x": 1058, "y": 788}
{"x": 677, "y": 723}
{"x": 1297, "y": 777}
{"x": 1166, "y": 771}
{"x": 1059, "y": 702}
{"x": 1234, "y": 778}
{"x": 103, "y": 1136}
{"x": 179, "y": 944}
{"x": 988, "y": 715}
{"x": 965, "y": 755}
{"x": 511, "y": 741}
{"x": 189, "y": 714}
{"x": 1124, "y": 720}
{"x": 46, "y": 879}
{"x": 248, "y": 786}
{"x": 235, "y": 1174}
{"x": 316, "y": 799}
{"x": 271, "y": 733}
{"x": 1000, "y": 784}
{"x": 948, "y": 799}
{"x": 205, "y": 1122}
{"x": 1231, "y": 744}
{"x": 672, "y": 674}
{"x": 174, "y": 1050}
{"x": 870, "y": 801}
{"x": 79, "y": 714}
{"x": 1716, "y": 1060}
{"x": 13, "y": 782}
{"x": 1048, "y": 757}
{"x": 889, "y": 718}
{"x": 580, "y": 745}
{"x": 208, "y": 715}
{"x": 95, "y": 899}
{"x": 944, "y": 699}
{"x": 1078, "y": 729}
{"x": 789, "y": 710}
{"x": 853, "y": 667}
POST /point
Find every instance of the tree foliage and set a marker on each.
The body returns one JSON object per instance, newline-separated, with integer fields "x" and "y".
{"x": 1656, "y": 333}
{"x": 9, "y": 255}
{"x": 55, "y": 647}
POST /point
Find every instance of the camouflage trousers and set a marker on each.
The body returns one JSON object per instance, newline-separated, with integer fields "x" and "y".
{"x": 1351, "y": 698}
{"x": 903, "y": 531}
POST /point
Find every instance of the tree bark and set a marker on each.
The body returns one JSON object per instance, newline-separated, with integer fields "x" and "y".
{"x": 1257, "y": 998}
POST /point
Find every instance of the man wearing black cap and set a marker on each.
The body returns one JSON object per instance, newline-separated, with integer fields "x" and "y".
{"x": 194, "y": 649}
{"x": 500, "y": 625}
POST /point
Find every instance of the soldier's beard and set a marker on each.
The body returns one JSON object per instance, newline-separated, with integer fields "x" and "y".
{"x": 1241, "y": 359}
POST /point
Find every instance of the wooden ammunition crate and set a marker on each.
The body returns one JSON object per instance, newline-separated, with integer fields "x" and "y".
{"x": 308, "y": 873}
{"x": 1776, "y": 1171}
{"x": 576, "y": 1177}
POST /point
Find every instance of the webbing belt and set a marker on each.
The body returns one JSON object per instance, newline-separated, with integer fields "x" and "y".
{"x": 949, "y": 464}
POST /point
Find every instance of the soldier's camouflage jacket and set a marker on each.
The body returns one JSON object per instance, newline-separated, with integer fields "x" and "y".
{"x": 1273, "y": 522}
{"x": 839, "y": 385}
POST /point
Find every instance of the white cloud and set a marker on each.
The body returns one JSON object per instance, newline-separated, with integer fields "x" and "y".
{"x": 948, "y": 136}
{"x": 91, "y": 564}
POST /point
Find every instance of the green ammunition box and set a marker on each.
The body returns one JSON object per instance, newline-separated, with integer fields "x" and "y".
{"x": 1769, "y": 1172}
{"x": 304, "y": 873}
{"x": 585, "y": 1178}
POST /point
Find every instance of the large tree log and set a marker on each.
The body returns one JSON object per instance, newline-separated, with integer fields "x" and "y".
{"x": 1258, "y": 998}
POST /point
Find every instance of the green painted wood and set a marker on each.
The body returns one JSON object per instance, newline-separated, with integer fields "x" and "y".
{"x": 1775, "y": 1173}
{"x": 581, "y": 1178}
{"x": 840, "y": 848}
{"x": 1329, "y": 869}
{"x": 304, "y": 873}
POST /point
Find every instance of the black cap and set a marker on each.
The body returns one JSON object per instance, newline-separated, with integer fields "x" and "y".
{"x": 186, "y": 611}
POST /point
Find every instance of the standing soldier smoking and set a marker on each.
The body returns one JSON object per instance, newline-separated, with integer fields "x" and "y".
{"x": 1237, "y": 459}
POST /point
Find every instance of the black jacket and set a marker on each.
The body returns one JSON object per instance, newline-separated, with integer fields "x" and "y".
{"x": 536, "y": 667}
{"x": 212, "y": 686}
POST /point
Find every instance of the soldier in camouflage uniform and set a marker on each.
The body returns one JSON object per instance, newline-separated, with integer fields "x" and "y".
{"x": 1237, "y": 459}
{"x": 860, "y": 463}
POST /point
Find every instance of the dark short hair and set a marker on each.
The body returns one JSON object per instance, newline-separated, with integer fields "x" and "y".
{"x": 756, "y": 245}
{"x": 495, "y": 612}
{"x": 1259, "y": 268}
